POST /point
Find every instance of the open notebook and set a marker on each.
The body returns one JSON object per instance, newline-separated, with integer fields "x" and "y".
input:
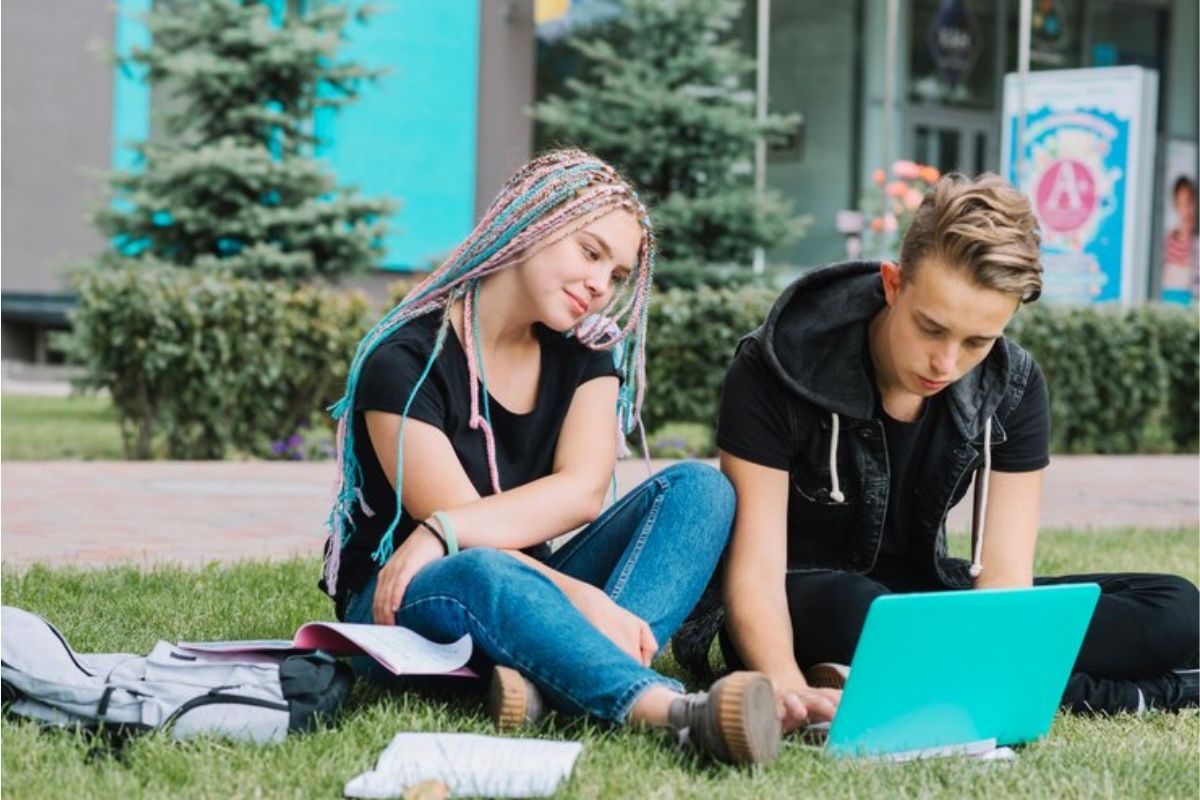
{"x": 400, "y": 650}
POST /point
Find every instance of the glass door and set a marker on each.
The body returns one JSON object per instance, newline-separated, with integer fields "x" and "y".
{"x": 953, "y": 140}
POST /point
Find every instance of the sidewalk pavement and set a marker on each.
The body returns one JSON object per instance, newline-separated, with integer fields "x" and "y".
{"x": 94, "y": 513}
{"x": 40, "y": 380}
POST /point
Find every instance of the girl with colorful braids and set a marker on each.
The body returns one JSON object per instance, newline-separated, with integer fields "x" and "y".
{"x": 482, "y": 418}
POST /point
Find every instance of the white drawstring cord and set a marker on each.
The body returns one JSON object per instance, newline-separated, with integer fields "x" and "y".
{"x": 977, "y": 550}
{"x": 835, "y": 488}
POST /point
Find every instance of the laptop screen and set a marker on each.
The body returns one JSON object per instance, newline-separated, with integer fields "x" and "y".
{"x": 958, "y": 667}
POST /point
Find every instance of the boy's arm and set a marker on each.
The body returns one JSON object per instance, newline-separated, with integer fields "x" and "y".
{"x": 1011, "y": 529}
{"x": 1015, "y": 491}
{"x": 756, "y": 592}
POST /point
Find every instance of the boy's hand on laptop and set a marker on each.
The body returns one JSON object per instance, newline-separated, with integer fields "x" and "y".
{"x": 799, "y": 704}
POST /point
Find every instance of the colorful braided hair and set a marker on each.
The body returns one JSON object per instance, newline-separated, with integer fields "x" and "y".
{"x": 543, "y": 202}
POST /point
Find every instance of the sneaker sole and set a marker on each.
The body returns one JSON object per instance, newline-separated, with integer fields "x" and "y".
{"x": 507, "y": 701}
{"x": 827, "y": 676}
{"x": 747, "y": 720}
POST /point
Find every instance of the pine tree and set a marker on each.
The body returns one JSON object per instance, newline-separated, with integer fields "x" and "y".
{"x": 234, "y": 186}
{"x": 659, "y": 92}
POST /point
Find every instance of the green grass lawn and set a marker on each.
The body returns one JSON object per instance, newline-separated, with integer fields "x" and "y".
{"x": 127, "y": 609}
{"x": 57, "y": 428}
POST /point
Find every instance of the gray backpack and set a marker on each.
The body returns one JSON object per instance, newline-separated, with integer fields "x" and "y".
{"x": 248, "y": 696}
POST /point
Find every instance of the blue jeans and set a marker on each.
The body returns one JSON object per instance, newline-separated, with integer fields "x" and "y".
{"x": 652, "y": 552}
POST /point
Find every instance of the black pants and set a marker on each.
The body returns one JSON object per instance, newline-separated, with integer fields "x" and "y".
{"x": 1144, "y": 626}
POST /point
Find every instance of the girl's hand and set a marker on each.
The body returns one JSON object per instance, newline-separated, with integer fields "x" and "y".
{"x": 626, "y": 629}
{"x": 419, "y": 549}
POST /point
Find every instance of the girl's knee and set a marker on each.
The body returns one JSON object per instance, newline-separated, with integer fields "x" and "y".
{"x": 467, "y": 576}
{"x": 476, "y": 566}
{"x": 480, "y": 582}
{"x": 703, "y": 486}
{"x": 699, "y": 477}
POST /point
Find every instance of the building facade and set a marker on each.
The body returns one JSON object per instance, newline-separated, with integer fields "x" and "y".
{"x": 828, "y": 63}
{"x": 447, "y": 122}
{"x": 438, "y": 132}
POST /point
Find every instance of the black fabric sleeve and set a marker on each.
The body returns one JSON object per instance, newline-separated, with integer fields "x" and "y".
{"x": 388, "y": 378}
{"x": 599, "y": 364}
{"x": 753, "y": 420}
{"x": 1027, "y": 447}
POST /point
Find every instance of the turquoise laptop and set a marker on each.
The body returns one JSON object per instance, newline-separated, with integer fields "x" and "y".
{"x": 946, "y": 672}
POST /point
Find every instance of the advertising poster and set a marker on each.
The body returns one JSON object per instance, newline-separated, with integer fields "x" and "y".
{"x": 1180, "y": 256}
{"x": 1087, "y": 167}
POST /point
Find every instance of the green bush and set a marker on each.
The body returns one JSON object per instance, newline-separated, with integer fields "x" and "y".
{"x": 206, "y": 364}
{"x": 1179, "y": 337}
{"x": 692, "y": 275}
{"x": 1121, "y": 380}
{"x": 681, "y": 440}
{"x": 658, "y": 90}
{"x": 692, "y": 337}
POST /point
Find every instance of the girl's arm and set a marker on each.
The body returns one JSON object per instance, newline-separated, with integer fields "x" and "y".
{"x": 571, "y": 496}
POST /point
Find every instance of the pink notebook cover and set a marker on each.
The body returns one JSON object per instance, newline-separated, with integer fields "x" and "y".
{"x": 399, "y": 650}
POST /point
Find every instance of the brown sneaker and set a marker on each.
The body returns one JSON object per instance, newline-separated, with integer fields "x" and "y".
{"x": 827, "y": 675}
{"x": 734, "y": 721}
{"x": 513, "y": 701}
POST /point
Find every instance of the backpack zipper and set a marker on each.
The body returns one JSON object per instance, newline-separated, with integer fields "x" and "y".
{"x": 70, "y": 652}
{"x": 215, "y": 696}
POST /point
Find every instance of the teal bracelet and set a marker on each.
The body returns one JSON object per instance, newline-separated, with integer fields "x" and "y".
{"x": 448, "y": 531}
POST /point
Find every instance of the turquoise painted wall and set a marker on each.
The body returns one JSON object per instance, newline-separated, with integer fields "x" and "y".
{"x": 411, "y": 135}
{"x": 131, "y": 94}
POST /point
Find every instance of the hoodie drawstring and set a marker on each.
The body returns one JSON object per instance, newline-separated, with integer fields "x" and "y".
{"x": 982, "y": 497}
{"x": 981, "y": 491}
{"x": 835, "y": 487}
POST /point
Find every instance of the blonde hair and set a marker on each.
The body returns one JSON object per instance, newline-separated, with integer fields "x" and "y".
{"x": 983, "y": 226}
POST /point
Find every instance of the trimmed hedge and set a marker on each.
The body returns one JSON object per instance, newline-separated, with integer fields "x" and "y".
{"x": 208, "y": 365}
{"x": 205, "y": 364}
{"x": 1121, "y": 380}
{"x": 691, "y": 338}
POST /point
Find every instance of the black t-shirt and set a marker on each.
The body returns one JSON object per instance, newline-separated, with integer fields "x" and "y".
{"x": 754, "y": 425}
{"x": 1026, "y": 450}
{"x": 906, "y": 445}
{"x": 525, "y": 443}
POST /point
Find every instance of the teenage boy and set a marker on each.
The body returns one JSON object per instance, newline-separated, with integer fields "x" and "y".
{"x": 854, "y": 419}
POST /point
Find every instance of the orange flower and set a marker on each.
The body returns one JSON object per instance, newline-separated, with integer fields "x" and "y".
{"x": 879, "y": 176}
{"x": 929, "y": 174}
{"x": 897, "y": 189}
{"x": 877, "y": 225}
